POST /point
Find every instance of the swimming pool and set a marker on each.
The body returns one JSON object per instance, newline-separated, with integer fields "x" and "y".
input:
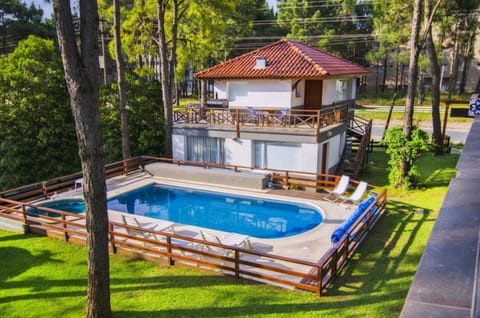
{"x": 252, "y": 216}
{"x": 68, "y": 205}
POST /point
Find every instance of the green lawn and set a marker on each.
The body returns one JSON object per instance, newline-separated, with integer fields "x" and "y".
{"x": 42, "y": 277}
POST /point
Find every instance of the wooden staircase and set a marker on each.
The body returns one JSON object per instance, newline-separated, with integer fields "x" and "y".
{"x": 357, "y": 143}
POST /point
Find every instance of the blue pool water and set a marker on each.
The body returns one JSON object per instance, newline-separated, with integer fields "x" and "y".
{"x": 68, "y": 205}
{"x": 230, "y": 213}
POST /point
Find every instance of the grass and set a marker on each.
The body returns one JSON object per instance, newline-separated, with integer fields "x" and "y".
{"x": 42, "y": 277}
{"x": 369, "y": 101}
{"x": 385, "y": 98}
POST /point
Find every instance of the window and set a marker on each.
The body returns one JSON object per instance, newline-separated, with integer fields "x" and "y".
{"x": 344, "y": 90}
{"x": 277, "y": 155}
{"x": 206, "y": 149}
{"x": 238, "y": 91}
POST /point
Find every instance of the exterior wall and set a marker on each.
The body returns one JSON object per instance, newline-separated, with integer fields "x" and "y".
{"x": 220, "y": 89}
{"x": 298, "y": 97}
{"x": 178, "y": 142}
{"x": 279, "y": 93}
{"x": 309, "y": 152}
{"x": 241, "y": 152}
{"x": 335, "y": 149}
{"x": 238, "y": 152}
{"x": 261, "y": 94}
{"x": 329, "y": 91}
{"x": 273, "y": 93}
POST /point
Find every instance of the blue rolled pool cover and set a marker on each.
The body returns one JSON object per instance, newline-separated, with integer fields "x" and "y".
{"x": 340, "y": 231}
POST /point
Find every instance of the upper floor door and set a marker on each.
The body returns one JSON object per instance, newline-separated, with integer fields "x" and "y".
{"x": 313, "y": 94}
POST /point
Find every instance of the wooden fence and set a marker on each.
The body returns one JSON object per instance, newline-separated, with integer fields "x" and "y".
{"x": 265, "y": 117}
{"x": 236, "y": 261}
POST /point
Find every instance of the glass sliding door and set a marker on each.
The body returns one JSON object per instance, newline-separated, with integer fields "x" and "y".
{"x": 205, "y": 149}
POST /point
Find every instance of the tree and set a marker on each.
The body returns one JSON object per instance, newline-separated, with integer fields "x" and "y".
{"x": 34, "y": 104}
{"x": 17, "y": 22}
{"x": 171, "y": 18}
{"x": 435, "y": 70}
{"x": 412, "y": 83}
{"x": 253, "y": 25}
{"x": 122, "y": 96}
{"x": 391, "y": 23}
{"x": 145, "y": 118}
{"x": 342, "y": 27}
{"x": 80, "y": 63}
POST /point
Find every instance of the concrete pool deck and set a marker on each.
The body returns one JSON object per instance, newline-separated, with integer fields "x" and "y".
{"x": 308, "y": 246}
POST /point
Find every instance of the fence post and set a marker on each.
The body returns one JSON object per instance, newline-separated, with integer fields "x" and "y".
{"x": 319, "y": 276}
{"x": 27, "y": 228}
{"x": 112, "y": 238}
{"x": 237, "y": 124}
{"x": 44, "y": 189}
{"x": 65, "y": 230}
{"x": 237, "y": 264}
{"x": 170, "y": 260}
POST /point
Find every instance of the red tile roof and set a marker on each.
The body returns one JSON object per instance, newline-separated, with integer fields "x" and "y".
{"x": 286, "y": 59}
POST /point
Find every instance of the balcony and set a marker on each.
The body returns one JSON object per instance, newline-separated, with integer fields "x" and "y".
{"x": 244, "y": 118}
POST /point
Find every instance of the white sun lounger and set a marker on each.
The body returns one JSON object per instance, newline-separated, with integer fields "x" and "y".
{"x": 160, "y": 226}
{"x": 357, "y": 195}
{"x": 233, "y": 239}
{"x": 339, "y": 189}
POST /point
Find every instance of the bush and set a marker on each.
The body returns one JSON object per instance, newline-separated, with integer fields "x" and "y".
{"x": 403, "y": 151}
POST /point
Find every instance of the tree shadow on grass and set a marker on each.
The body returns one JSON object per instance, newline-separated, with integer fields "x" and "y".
{"x": 14, "y": 260}
{"x": 376, "y": 263}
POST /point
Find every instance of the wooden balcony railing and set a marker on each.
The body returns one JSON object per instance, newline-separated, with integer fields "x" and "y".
{"x": 262, "y": 117}
{"x": 240, "y": 262}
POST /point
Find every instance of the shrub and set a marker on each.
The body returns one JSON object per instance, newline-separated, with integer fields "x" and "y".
{"x": 402, "y": 150}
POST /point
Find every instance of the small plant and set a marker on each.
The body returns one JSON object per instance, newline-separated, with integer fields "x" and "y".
{"x": 402, "y": 150}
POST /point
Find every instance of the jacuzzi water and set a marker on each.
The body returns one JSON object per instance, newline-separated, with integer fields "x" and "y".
{"x": 252, "y": 216}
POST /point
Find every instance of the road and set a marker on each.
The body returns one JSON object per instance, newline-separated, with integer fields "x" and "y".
{"x": 456, "y": 135}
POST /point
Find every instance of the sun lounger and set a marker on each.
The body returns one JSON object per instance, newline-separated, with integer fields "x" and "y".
{"x": 159, "y": 225}
{"x": 357, "y": 195}
{"x": 339, "y": 189}
{"x": 233, "y": 239}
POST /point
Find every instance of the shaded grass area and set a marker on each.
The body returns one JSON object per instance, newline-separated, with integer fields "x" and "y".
{"x": 42, "y": 277}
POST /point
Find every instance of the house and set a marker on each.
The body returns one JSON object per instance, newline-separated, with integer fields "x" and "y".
{"x": 285, "y": 106}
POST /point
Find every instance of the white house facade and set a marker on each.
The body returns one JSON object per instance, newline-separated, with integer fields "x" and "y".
{"x": 286, "y": 110}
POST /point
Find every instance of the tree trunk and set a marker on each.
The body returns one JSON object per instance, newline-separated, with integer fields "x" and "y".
{"x": 203, "y": 93}
{"x": 121, "y": 82}
{"x": 385, "y": 66}
{"x": 466, "y": 62}
{"x": 81, "y": 74}
{"x": 165, "y": 75}
{"x": 412, "y": 79}
{"x": 453, "y": 75}
{"x": 435, "y": 70}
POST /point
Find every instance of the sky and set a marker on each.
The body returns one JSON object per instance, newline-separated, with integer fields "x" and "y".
{"x": 48, "y": 10}
{"x": 47, "y": 7}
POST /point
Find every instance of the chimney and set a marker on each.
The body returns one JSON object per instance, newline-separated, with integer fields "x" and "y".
{"x": 260, "y": 63}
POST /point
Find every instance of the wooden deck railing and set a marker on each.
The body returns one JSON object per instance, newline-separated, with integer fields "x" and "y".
{"x": 240, "y": 262}
{"x": 239, "y": 118}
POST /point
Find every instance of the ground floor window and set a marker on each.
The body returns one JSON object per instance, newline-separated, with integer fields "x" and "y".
{"x": 277, "y": 155}
{"x": 200, "y": 148}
